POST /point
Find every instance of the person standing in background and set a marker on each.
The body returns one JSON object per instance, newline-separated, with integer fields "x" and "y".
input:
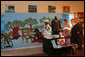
{"x": 47, "y": 26}
{"x": 76, "y": 33}
{"x": 79, "y": 32}
{"x": 47, "y": 30}
{"x": 66, "y": 24}
{"x": 72, "y": 22}
{"x": 56, "y": 26}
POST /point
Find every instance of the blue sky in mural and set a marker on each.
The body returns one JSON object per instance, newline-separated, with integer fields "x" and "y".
{"x": 2, "y": 25}
{"x": 22, "y": 16}
{"x": 65, "y": 16}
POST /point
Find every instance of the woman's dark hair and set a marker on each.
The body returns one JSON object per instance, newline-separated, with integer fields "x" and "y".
{"x": 66, "y": 20}
{"x": 72, "y": 19}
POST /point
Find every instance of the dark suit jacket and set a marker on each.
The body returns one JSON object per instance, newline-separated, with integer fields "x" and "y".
{"x": 76, "y": 33}
{"x": 55, "y": 27}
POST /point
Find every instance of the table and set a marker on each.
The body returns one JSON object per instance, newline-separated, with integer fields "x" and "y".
{"x": 48, "y": 48}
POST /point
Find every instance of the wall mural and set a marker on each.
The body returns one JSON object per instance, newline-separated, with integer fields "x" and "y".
{"x": 20, "y": 28}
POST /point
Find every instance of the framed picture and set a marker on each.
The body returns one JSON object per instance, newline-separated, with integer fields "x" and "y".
{"x": 10, "y": 9}
{"x": 51, "y": 9}
{"x": 61, "y": 41}
{"x": 32, "y": 8}
{"x": 66, "y": 9}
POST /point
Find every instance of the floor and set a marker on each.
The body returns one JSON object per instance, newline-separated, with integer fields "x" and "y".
{"x": 79, "y": 53}
{"x": 27, "y": 51}
{"x": 35, "y": 51}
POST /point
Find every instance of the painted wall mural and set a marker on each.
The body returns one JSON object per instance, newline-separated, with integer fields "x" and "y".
{"x": 20, "y": 28}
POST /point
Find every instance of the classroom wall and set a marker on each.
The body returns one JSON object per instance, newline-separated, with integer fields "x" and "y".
{"x": 42, "y": 6}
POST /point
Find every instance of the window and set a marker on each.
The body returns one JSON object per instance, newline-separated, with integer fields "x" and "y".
{"x": 51, "y": 9}
{"x": 9, "y": 9}
{"x": 32, "y": 8}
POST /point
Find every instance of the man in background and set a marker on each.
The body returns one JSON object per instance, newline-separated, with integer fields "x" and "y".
{"x": 56, "y": 26}
{"x": 76, "y": 33}
{"x": 79, "y": 32}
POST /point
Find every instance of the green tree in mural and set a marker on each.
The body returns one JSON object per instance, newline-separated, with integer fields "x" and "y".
{"x": 35, "y": 21}
{"x": 15, "y": 22}
{"x": 10, "y": 33}
{"x": 18, "y": 22}
{"x": 38, "y": 26}
{"x": 7, "y": 25}
{"x": 31, "y": 22}
{"x": 21, "y": 23}
{"x": 44, "y": 18}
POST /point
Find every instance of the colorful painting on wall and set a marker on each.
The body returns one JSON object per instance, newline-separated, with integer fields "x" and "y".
{"x": 10, "y": 9}
{"x": 66, "y": 9}
{"x": 32, "y": 8}
{"x": 21, "y": 28}
{"x": 51, "y": 9}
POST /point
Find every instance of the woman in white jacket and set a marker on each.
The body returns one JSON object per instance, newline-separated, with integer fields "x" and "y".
{"x": 47, "y": 30}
